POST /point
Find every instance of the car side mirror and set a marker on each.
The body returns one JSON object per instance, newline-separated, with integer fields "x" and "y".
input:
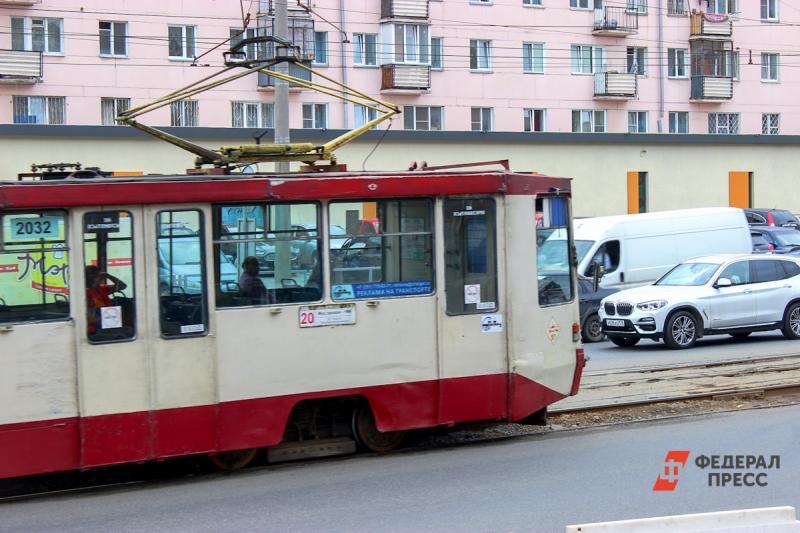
{"x": 723, "y": 282}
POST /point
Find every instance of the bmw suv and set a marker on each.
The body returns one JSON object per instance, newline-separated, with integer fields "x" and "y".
{"x": 713, "y": 295}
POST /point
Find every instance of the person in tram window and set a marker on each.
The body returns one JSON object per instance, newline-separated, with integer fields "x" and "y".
{"x": 250, "y": 284}
{"x": 99, "y": 288}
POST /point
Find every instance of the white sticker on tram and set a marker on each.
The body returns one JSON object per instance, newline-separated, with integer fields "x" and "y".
{"x": 193, "y": 328}
{"x": 472, "y": 294}
{"x": 491, "y": 323}
{"x": 312, "y": 316}
{"x": 485, "y": 305}
{"x": 111, "y": 317}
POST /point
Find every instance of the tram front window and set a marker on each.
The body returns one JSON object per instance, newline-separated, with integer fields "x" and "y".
{"x": 34, "y": 267}
{"x": 108, "y": 275}
{"x": 267, "y": 254}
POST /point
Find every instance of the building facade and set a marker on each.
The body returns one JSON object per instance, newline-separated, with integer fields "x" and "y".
{"x": 646, "y": 104}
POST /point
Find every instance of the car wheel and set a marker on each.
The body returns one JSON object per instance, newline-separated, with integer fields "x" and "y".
{"x": 592, "y": 329}
{"x": 625, "y": 342}
{"x": 791, "y": 321}
{"x": 681, "y": 330}
{"x": 741, "y": 334}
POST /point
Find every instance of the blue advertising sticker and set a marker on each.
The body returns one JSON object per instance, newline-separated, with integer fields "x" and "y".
{"x": 382, "y": 290}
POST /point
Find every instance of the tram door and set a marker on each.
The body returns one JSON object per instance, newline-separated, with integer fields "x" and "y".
{"x": 144, "y": 313}
{"x": 472, "y": 342}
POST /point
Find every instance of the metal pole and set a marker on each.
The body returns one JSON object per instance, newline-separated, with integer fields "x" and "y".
{"x": 281, "y": 29}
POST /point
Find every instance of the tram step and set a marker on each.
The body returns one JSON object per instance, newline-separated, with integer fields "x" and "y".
{"x": 295, "y": 451}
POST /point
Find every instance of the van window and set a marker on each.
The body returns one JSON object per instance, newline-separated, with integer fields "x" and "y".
{"x": 607, "y": 256}
{"x": 108, "y": 272}
{"x": 34, "y": 266}
{"x": 386, "y": 251}
{"x": 553, "y": 258}
{"x": 181, "y": 273}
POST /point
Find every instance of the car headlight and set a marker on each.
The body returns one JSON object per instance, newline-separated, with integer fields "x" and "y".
{"x": 651, "y": 306}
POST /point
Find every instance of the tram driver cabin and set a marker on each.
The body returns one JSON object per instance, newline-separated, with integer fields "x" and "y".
{"x": 233, "y": 313}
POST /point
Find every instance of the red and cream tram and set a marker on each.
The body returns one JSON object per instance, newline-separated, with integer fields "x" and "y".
{"x": 159, "y": 316}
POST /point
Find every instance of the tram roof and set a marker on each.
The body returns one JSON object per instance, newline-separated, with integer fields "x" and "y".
{"x": 202, "y": 188}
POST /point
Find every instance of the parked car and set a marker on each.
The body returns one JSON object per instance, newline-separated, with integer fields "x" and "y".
{"x": 771, "y": 217}
{"x": 711, "y": 295}
{"x": 591, "y": 327}
{"x": 779, "y": 240}
{"x": 760, "y": 243}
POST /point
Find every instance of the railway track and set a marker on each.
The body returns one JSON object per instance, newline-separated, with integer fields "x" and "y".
{"x": 622, "y": 388}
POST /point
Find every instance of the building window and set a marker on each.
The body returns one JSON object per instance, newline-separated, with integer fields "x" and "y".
{"x": 111, "y": 107}
{"x": 769, "y": 67}
{"x": 437, "y": 53}
{"x": 587, "y": 59}
{"x": 411, "y": 43}
{"x": 482, "y": 119}
{"x": 769, "y": 10}
{"x": 677, "y": 62}
{"x": 480, "y": 54}
{"x": 723, "y": 123}
{"x": 364, "y": 114}
{"x": 679, "y": 122}
{"x": 581, "y": 4}
{"x": 678, "y": 7}
{"x": 423, "y": 118}
{"x": 636, "y": 6}
{"x": 533, "y": 58}
{"x": 770, "y": 124}
{"x": 637, "y": 121}
{"x": 113, "y": 38}
{"x": 365, "y": 49}
{"x": 39, "y": 109}
{"x": 183, "y": 113}
{"x": 315, "y": 116}
{"x": 484, "y": 2}
{"x": 37, "y": 34}
{"x": 182, "y": 42}
{"x": 588, "y": 121}
{"x": 723, "y": 7}
{"x": 733, "y": 65}
{"x": 320, "y": 48}
{"x": 534, "y": 119}
{"x": 637, "y": 60}
{"x": 252, "y": 115}
{"x": 531, "y": 2}
{"x": 252, "y": 51}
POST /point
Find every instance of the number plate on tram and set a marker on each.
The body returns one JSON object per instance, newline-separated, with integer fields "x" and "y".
{"x": 615, "y": 323}
{"x": 312, "y": 316}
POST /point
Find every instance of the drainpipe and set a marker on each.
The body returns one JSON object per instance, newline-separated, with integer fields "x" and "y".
{"x": 661, "y": 66}
{"x": 343, "y": 56}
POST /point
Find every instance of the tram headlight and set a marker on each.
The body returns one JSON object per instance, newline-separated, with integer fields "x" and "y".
{"x": 653, "y": 305}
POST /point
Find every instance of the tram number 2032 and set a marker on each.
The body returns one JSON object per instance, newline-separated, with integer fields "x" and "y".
{"x": 27, "y": 228}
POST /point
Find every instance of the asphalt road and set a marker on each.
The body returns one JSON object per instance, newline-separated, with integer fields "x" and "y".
{"x": 606, "y": 356}
{"x": 538, "y": 483}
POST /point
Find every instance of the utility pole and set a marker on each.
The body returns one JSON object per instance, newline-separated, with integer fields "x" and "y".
{"x": 281, "y": 31}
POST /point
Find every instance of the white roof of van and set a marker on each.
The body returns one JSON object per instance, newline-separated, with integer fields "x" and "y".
{"x": 594, "y": 227}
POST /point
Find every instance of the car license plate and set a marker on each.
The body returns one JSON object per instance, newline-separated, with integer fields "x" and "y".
{"x": 615, "y": 323}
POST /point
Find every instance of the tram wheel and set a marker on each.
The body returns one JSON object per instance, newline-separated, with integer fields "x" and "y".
{"x": 367, "y": 435}
{"x": 233, "y": 460}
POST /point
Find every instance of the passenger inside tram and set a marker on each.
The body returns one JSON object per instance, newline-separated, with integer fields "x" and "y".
{"x": 99, "y": 294}
{"x": 250, "y": 284}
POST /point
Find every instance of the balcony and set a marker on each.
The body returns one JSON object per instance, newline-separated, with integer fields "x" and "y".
{"x": 405, "y": 77}
{"x": 407, "y": 9}
{"x": 615, "y": 22}
{"x": 615, "y": 85}
{"x": 707, "y": 25}
{"x": 20, "y": 66}
{"x": 265, "y": 80}
{"x": 20, "y": 3}
{"x": 712, "y": 88}
{"x": 301, "y": 34}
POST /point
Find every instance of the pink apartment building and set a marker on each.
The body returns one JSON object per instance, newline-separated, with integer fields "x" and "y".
{"x": 597, "y": 66}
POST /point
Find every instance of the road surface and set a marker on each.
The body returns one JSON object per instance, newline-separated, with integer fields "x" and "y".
{"x": 533, "y": 484}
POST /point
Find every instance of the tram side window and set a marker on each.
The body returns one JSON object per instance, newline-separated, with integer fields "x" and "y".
{"x": 181, "y": 273}
{"x": 386, "y": 249}
{"x": 108, "y": 273}
{"x": 34, "y": 266}
{"x": 470, "y": 255}
{"x": 553, "y": 259}
{"x": 267, "y": 254}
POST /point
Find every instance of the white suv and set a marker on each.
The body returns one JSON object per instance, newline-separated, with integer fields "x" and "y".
{"x": 713, "y": 295}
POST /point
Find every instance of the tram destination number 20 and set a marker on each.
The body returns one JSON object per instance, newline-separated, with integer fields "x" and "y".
{"x": 327, "y": 315}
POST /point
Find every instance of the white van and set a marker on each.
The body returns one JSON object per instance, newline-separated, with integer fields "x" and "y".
{"x": 637, "y": 249}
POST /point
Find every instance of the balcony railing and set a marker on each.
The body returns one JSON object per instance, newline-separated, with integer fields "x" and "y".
{"x": 412, "y": 77}
{"x": 615, "y": 85}
{"x": 301, "y": 34}
{"x": 615, "y": 21}
{"x": 710, "y": 25}
{"x": 20, "y": 66}
{"x": 678, "y": 7}
{"x": 415, "y": 9}
{"x": 265, "y": 80}
{"x": 712, "y": 88}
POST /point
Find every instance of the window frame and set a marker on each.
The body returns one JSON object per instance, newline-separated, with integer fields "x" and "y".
{"x": 437, "y": 53}
{"x": 360, "y": 48}
{"x": 578, "y": 59}
{"x": 413, "y": 114}
{"x": 674, "y": 66}
{"x": 593, "y": 113}
{"x": 261, "y": 114}
{"x": 47, "y": 100}
{"x": 485, "y": 114}
{"x": 115, "y": 101}
{"x": 314, "y": 106}
{"x": 477, "y": 45}
{"x": 112, "y": 38}
{"x": 27, "y": 34}
{"x": 181, "y": 110}
{"x": 365, "y": 112}
{"x": 728, "y": 118}
{"x": 633, "y": 54}
{"x": 768, "y": 126}
{"x": 185, "y": 44}
{"x": 766, "y": 4}
{"x": 529, "y": 115}
{"x": 321, "y": 45}
{"x": 770, "y": 61}
{"x": 532, "y": 3}
{"x": 529, "y": 57}
{"x": 637, "y": 127}
{"x": 676, "y": 115}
